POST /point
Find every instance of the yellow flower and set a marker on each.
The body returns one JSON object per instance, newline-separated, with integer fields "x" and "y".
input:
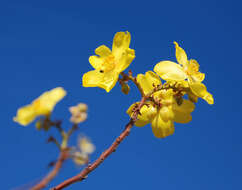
{"x": 43, "y": 105}
{"x": 109, "y": 64}
{"x": 163, "y": 116}
{"x": 185, "y": 70}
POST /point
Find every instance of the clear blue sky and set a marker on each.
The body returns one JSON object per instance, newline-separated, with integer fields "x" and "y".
{"x": 45, "y": 44}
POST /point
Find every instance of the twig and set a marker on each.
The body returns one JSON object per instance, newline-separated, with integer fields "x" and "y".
{"x": 53, "y": 140}
{"x": 72, "y": 129}
{"x": 43, "y": 183}
{"x": 83, "y": 174}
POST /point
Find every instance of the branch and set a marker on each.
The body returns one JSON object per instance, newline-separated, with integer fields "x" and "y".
{"x": 43, "y": 183}
{"x": 83, "y": 174}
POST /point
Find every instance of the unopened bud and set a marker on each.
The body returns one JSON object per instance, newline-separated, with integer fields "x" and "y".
{"x": 38, "y": 125}
{"x": 125, "y": 88}
{"x": 80, "y": 158}
{"x": 79, "y": 113}
{"x": 85, "y": 145}
{"x": 42, "y": 124}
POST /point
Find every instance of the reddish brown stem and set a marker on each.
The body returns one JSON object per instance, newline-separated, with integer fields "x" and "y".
{"x": 83, "y": 174}
{"x": 43, "y": 183}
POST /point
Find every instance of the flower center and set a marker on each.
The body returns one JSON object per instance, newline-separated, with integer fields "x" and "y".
{"x": 108, "y": 64}
{"x": 192, "y": 68}
{"x": 164, "y": 97}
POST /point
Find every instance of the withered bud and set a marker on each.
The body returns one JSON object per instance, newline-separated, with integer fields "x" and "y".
{"x": 79, "y": 113}
{"x": 38, "y": 125}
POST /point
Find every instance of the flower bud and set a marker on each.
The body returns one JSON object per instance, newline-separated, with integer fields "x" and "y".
{"x": 125, "y": 88}
{"x": 79, "y": 113}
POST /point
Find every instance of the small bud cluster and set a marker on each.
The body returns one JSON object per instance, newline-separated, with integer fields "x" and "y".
{"x": 80, "y": 154}
{"x": 79, "y": 113}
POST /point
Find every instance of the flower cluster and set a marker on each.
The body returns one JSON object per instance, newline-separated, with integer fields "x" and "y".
{"x": 165, "y": 102}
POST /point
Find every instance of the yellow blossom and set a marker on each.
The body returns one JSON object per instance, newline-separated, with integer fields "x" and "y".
{"x": 185, "y": 70}
{"x": 162, "y": 116}
{"x": 43, "y": 105}
{"x": 109, "y": 64}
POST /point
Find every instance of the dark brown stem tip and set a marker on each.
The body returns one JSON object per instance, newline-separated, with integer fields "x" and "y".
{"x": 50, "y": 139}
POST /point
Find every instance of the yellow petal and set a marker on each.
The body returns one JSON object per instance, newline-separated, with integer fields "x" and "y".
{"x": 25, "y": 115}
{"x": 96, "y": 61}
{"x": 186, "y": 107}
{"x": 169, "y": 70}
{"x": 97, "y": 79}
{"x": 92, "y": 78}
{"x": 160, "y": 128}
{"x": 197, "y": 77}
{"x": 198, "y": 89}
{"x": 53, "y": 96}
{"x": 147, "y": 113}
{"x": 121, "y": 42}
{"x": 192, "y": 97}
{"x": 193, "y": 65}
{"x": 181, "y": 55}
{"x": 125, "y": 60}
{"x": 181, "y": 117}
{"x": 47, "y": 101}
{"x": 146, "y": 81}
{"x": 165, "y": 96}
{"x": 103, "y": 51}
{"x": 209, "y": 98}
{"x": 166, "y": 113}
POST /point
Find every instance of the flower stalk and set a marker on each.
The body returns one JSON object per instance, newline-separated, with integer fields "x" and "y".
{"x": 83, "y": 174}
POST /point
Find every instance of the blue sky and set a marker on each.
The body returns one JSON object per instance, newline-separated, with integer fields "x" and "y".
{"x": 45, "y": 44}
